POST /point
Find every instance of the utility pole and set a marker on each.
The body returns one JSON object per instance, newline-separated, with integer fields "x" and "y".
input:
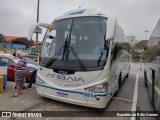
{"x": 146, "y": 33}
{"x": 146, "y": 37}
{"x": 37, "y": 22}
{"x": 36, "y": 50}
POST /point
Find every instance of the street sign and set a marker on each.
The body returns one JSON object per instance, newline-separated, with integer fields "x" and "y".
{"x": 38, "y": 30}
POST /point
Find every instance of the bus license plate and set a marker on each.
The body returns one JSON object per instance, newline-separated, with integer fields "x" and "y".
{"x": 60, "y": 94}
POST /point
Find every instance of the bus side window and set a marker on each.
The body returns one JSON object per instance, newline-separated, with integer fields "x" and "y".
{"x": 116, "y": 51}
{"x": 113, "y": 53}
{"x": 119, "y": 48}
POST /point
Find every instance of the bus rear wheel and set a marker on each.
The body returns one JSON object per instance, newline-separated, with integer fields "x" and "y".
{"x": 145, "y": 78}
{"x": 128, "y": 73}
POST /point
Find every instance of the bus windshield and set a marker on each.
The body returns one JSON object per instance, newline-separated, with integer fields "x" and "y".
{"x": 75, "y": 44}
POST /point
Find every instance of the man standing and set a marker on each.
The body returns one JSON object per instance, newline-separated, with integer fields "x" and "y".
{"x": 20, "y": 71}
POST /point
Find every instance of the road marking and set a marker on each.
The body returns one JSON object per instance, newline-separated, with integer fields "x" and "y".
{"x": 134, "y": 105}
{"x": 123, "y": 99}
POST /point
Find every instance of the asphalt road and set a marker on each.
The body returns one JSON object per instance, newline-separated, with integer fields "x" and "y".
{"x": 30, "y": 101}
{"x": 127, "y": 91}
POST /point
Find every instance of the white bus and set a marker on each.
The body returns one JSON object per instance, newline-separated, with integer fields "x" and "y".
{"x": 84, "y": 58}
{"x": 152, "y": 67}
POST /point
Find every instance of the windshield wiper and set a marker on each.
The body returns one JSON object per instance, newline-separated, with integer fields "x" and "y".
{"x": 65, "y": 53}
{"x": 65, "y": 47}
{"x": 62, "y": 51}
{"x": 77, "y": 58}
{"x": 51, "y": 61}
{"x": 100, "y": 58}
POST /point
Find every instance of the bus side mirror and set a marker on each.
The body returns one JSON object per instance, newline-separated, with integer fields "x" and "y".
{"x": 111, "y": 28}
{"x": 34, "y": 27}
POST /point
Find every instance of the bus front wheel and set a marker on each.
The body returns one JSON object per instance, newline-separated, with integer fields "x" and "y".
{"x": 119, "y": 84}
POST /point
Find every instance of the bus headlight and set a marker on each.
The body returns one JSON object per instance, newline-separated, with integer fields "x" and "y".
{"x": 39, "y": 80}
{"x": 101, "y": 88}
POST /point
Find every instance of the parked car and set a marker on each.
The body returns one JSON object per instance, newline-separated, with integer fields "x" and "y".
{"x": 5, "y": 54}
{"x": 31, "y": 51}
{"x": 1, "y": 52}
{"x": 10, "y": 68}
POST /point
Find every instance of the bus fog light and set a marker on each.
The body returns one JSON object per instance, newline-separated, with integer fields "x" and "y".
{"x": 101, "y": 88}
{"x": 39, "y": 80}
{"x": 98, "y": 99}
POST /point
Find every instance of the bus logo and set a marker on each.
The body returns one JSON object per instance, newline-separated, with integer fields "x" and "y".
{"x": 65, "y": 78}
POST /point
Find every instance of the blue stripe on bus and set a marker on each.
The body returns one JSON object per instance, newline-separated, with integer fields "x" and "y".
{"x": 101, "y": 95}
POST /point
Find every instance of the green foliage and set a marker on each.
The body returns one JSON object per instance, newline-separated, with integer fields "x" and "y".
{"x": 141, "y": 44}
{"x": 137, "y": 51}
{"x": 151, "y": 53}
{"x": 127, "y": 46}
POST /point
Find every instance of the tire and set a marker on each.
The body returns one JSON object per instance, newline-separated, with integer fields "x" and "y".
{"x": 115, "y": 94}
{"x": 128, "y": 73}
{"x": 145, "y": 78}
{"x": 119, "y": 81}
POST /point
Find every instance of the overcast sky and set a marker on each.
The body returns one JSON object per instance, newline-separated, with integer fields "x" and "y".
{"x": 135, "y": 16}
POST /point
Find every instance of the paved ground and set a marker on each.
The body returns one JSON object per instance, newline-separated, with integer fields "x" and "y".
{"x": 30, "y": 101}
{"x": 127, "y": 90}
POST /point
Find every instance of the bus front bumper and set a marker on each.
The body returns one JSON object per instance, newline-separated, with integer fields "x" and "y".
{"x": 73, "y": 97}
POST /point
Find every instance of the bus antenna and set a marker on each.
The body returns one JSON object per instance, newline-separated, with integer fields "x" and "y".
{"x": 83, "y": 4}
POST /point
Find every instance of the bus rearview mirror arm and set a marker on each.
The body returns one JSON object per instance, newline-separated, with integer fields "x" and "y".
{"x": 111, "y": 28}
{"x": 34, "y": 27}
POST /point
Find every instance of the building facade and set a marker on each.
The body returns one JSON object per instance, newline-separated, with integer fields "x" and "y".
{"x": 13, "y": 42}
{"x": 155, "y": 36}
{"x": 132, "y": 40}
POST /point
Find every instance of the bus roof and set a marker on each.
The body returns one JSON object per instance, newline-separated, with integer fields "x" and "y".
{"x": 84, "y": 12}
